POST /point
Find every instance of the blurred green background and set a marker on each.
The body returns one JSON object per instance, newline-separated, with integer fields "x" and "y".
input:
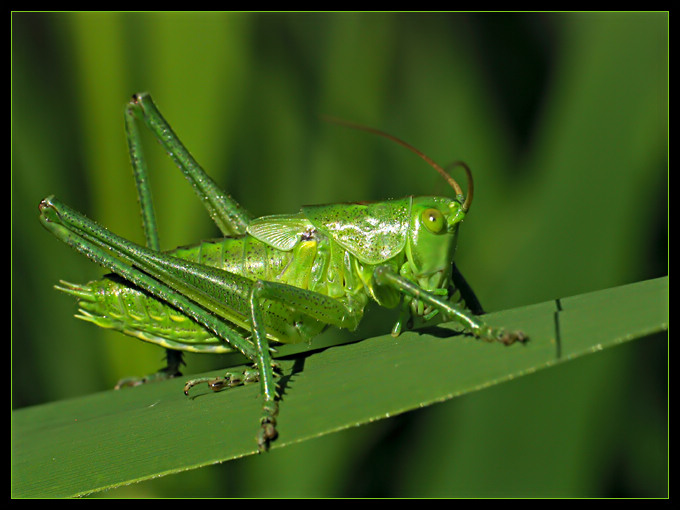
{"x": 563, "y": 119}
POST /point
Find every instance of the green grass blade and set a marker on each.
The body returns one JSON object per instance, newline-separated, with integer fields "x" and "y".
{"x": 84, "y": 445}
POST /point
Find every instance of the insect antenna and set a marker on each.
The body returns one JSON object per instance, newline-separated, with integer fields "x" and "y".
{"x": 471, "y": 185}
{"x": 450, "y": 180}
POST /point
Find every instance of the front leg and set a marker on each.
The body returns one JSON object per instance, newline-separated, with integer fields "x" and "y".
{"x": 384, "y": 275}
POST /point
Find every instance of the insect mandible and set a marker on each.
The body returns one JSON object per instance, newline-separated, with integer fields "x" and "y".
{"x": 281, "y": 278}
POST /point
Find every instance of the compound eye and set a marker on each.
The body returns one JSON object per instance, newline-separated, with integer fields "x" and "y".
{"x": 434, "y": 220}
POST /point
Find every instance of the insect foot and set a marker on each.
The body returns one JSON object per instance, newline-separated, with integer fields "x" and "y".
{"x": 268, "y": 432}
{"x": 131, "y": 382}
{"x": 508, "y": 337}
{"x": 168, "y": 372}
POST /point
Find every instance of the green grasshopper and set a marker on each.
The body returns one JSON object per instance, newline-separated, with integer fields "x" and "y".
{"x": 281, "y": 278}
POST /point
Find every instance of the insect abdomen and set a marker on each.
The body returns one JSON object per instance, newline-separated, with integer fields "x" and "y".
{"x": 112, "y": 303}
{"x": 245, "y": 256}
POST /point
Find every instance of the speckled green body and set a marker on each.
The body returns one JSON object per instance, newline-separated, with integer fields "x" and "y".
{"x": 330, "y": 250}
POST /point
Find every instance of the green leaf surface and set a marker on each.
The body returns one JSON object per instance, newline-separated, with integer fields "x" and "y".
{"x": 85, "y": 445}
